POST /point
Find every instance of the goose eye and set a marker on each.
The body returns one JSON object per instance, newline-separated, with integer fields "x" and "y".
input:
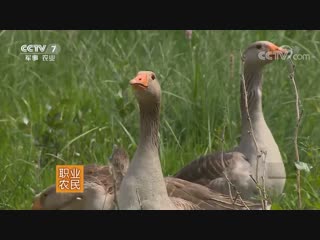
{"x": 259, "y": 46}
{"x": 45, "y": 195}
{"x": 153, "y": 76}
{"x": 110, "y": 190}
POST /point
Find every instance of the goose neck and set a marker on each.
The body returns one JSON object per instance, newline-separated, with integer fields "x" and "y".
{"x": 253, "y": 86}
{"x": 149, "y": 127}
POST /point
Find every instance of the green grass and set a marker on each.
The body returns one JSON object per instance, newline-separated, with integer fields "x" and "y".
{"x": 74, "y": 109}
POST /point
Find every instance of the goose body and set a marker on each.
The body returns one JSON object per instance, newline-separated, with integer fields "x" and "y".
{"x": 98, "y": 195}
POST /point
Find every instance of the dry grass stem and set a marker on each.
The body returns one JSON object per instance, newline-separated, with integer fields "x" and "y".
{"x": 298, "y": 122}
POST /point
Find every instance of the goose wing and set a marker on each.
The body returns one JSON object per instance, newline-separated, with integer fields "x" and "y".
{"x": 188, "y": 195}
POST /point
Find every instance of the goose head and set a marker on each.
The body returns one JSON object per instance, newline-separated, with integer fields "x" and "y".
{"x": 146, "y": 87}
{"x": 119, "y": 160}
{"x": 261, "y": 53}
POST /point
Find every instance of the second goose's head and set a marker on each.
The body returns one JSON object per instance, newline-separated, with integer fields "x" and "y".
{"x": 146, "y": 87}
{"x": 261, "y": 53}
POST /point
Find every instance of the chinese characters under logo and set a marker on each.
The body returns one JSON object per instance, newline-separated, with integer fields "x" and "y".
{"x": 69, "y": 178}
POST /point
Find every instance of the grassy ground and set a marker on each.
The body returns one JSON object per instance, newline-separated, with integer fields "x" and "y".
{"x": 74, "y": 109}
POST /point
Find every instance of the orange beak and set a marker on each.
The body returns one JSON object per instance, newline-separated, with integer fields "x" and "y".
{"x": 140, "y": 81}
{"x": 36, "y": 204}
{"x": 274, "y": 50}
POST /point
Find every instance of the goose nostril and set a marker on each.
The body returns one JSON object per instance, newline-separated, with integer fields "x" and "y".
{"x": 139, "y": 79}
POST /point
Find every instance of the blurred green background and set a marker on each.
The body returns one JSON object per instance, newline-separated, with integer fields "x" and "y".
{"x": 73, "y": 110}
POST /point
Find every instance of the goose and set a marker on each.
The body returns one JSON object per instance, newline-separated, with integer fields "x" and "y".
{"x": 241, "y": 164}
{"x": 144, "y": 186}
{"x": 100, "y": 185}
